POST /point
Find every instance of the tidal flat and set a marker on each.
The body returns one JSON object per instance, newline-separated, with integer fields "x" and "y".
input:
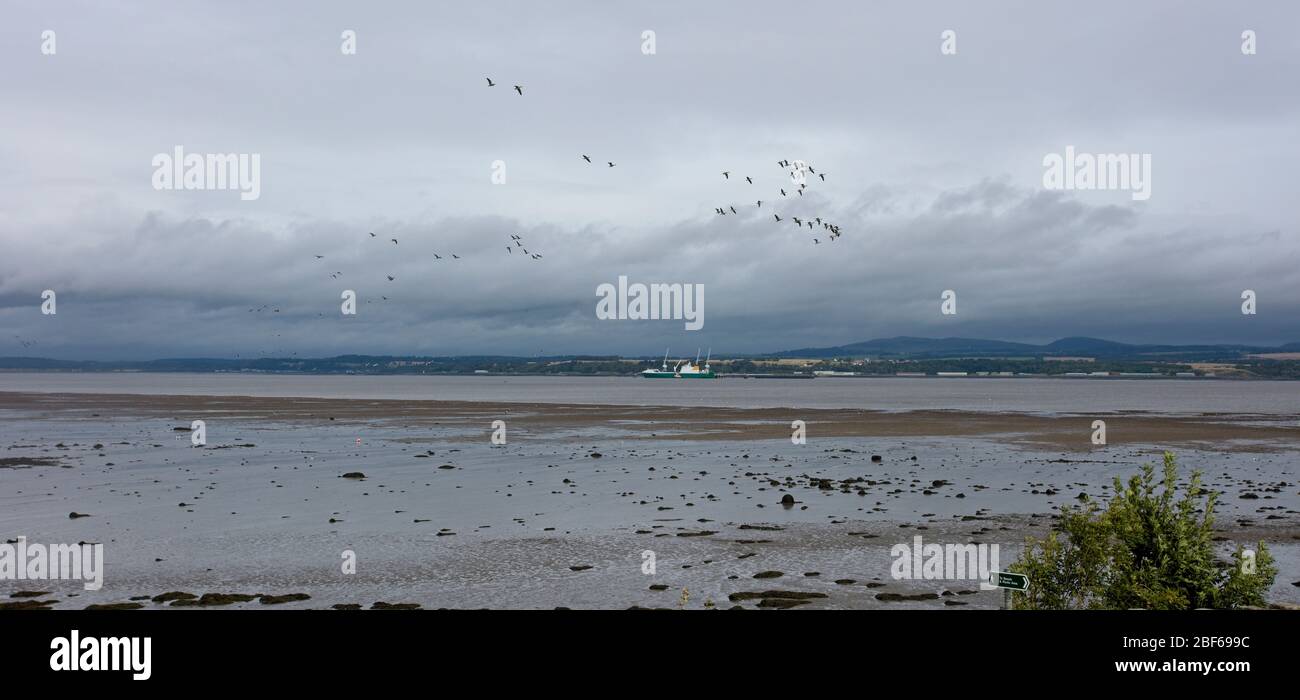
{"x": 563, "y": 514}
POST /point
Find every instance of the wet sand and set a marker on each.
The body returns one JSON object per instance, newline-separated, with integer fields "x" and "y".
{"x": 562, "y": 514}
{"x": 1069, "y": 432}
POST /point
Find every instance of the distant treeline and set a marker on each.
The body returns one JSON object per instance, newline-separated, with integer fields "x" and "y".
{"x": 1018, "y": 366}
{"x": 615, "y": 366}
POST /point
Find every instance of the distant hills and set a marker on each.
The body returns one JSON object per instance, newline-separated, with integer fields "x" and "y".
{"x": 936, "y": 348}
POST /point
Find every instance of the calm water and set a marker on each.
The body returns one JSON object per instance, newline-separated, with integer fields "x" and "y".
{"x": 1030, "y": 395}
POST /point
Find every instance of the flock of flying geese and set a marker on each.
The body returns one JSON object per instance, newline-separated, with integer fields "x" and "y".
{"x": 833, "y": 230}
{"x": 518, "y": 242}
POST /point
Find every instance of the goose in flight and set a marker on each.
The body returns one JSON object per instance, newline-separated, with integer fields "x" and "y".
{"x": 519, "y": 89}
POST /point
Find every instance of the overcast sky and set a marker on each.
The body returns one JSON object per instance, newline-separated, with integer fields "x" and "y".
{"x": 933, "y": 164}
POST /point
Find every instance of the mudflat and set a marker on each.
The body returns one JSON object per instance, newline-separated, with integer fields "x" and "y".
{"x": 580, "y": 505}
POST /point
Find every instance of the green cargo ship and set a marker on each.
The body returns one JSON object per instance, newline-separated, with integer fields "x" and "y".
{"x": 683, "y": 370}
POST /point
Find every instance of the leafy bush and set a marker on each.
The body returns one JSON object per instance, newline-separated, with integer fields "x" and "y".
{"x": 1147, "y": 549}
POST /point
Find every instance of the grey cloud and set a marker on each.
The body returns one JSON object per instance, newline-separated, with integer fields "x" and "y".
{"x": 933, "y": 168}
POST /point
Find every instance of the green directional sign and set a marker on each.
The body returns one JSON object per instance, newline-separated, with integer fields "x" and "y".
{"x": 1006, "y": 579}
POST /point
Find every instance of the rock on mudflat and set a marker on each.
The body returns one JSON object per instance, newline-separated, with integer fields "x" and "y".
{"x": 760, "y": 595}
{"x": 897, "y": 597}
{"x": 210, "y": 599}
{"x": 28, "y": 605}
{"x": 780, "y": 603}
{"x": 286, "y": 598}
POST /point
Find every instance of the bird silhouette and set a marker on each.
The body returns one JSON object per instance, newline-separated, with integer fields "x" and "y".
{"x": 760, "y": 203}
{"x": 519, "y": 89}
{"x": 747, "y": 179}
{"x": 778, "y": 218}
{"x": 782, "y": 193}
{"x": 611, "y": 163}
{"x": 490, "y": 83}
{"x": 455, "y": 257}
{"x": 318, "y": 257}
{"x": 372, "y": 234}
{"x": 587, "y": 158}
{"x": 726, "y": 175}
{"x": 733, "y": 210}
{"x": 390, "y": 278}
{"x": 394, "y": 240}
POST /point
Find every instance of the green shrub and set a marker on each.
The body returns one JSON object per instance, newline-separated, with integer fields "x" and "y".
{"x": 1147, "y": 549}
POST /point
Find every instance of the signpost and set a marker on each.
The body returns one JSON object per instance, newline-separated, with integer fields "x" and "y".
{"x": 1008, "y": 582}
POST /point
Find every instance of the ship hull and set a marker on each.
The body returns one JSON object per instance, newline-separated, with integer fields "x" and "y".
{"x": 671, "y": 375}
